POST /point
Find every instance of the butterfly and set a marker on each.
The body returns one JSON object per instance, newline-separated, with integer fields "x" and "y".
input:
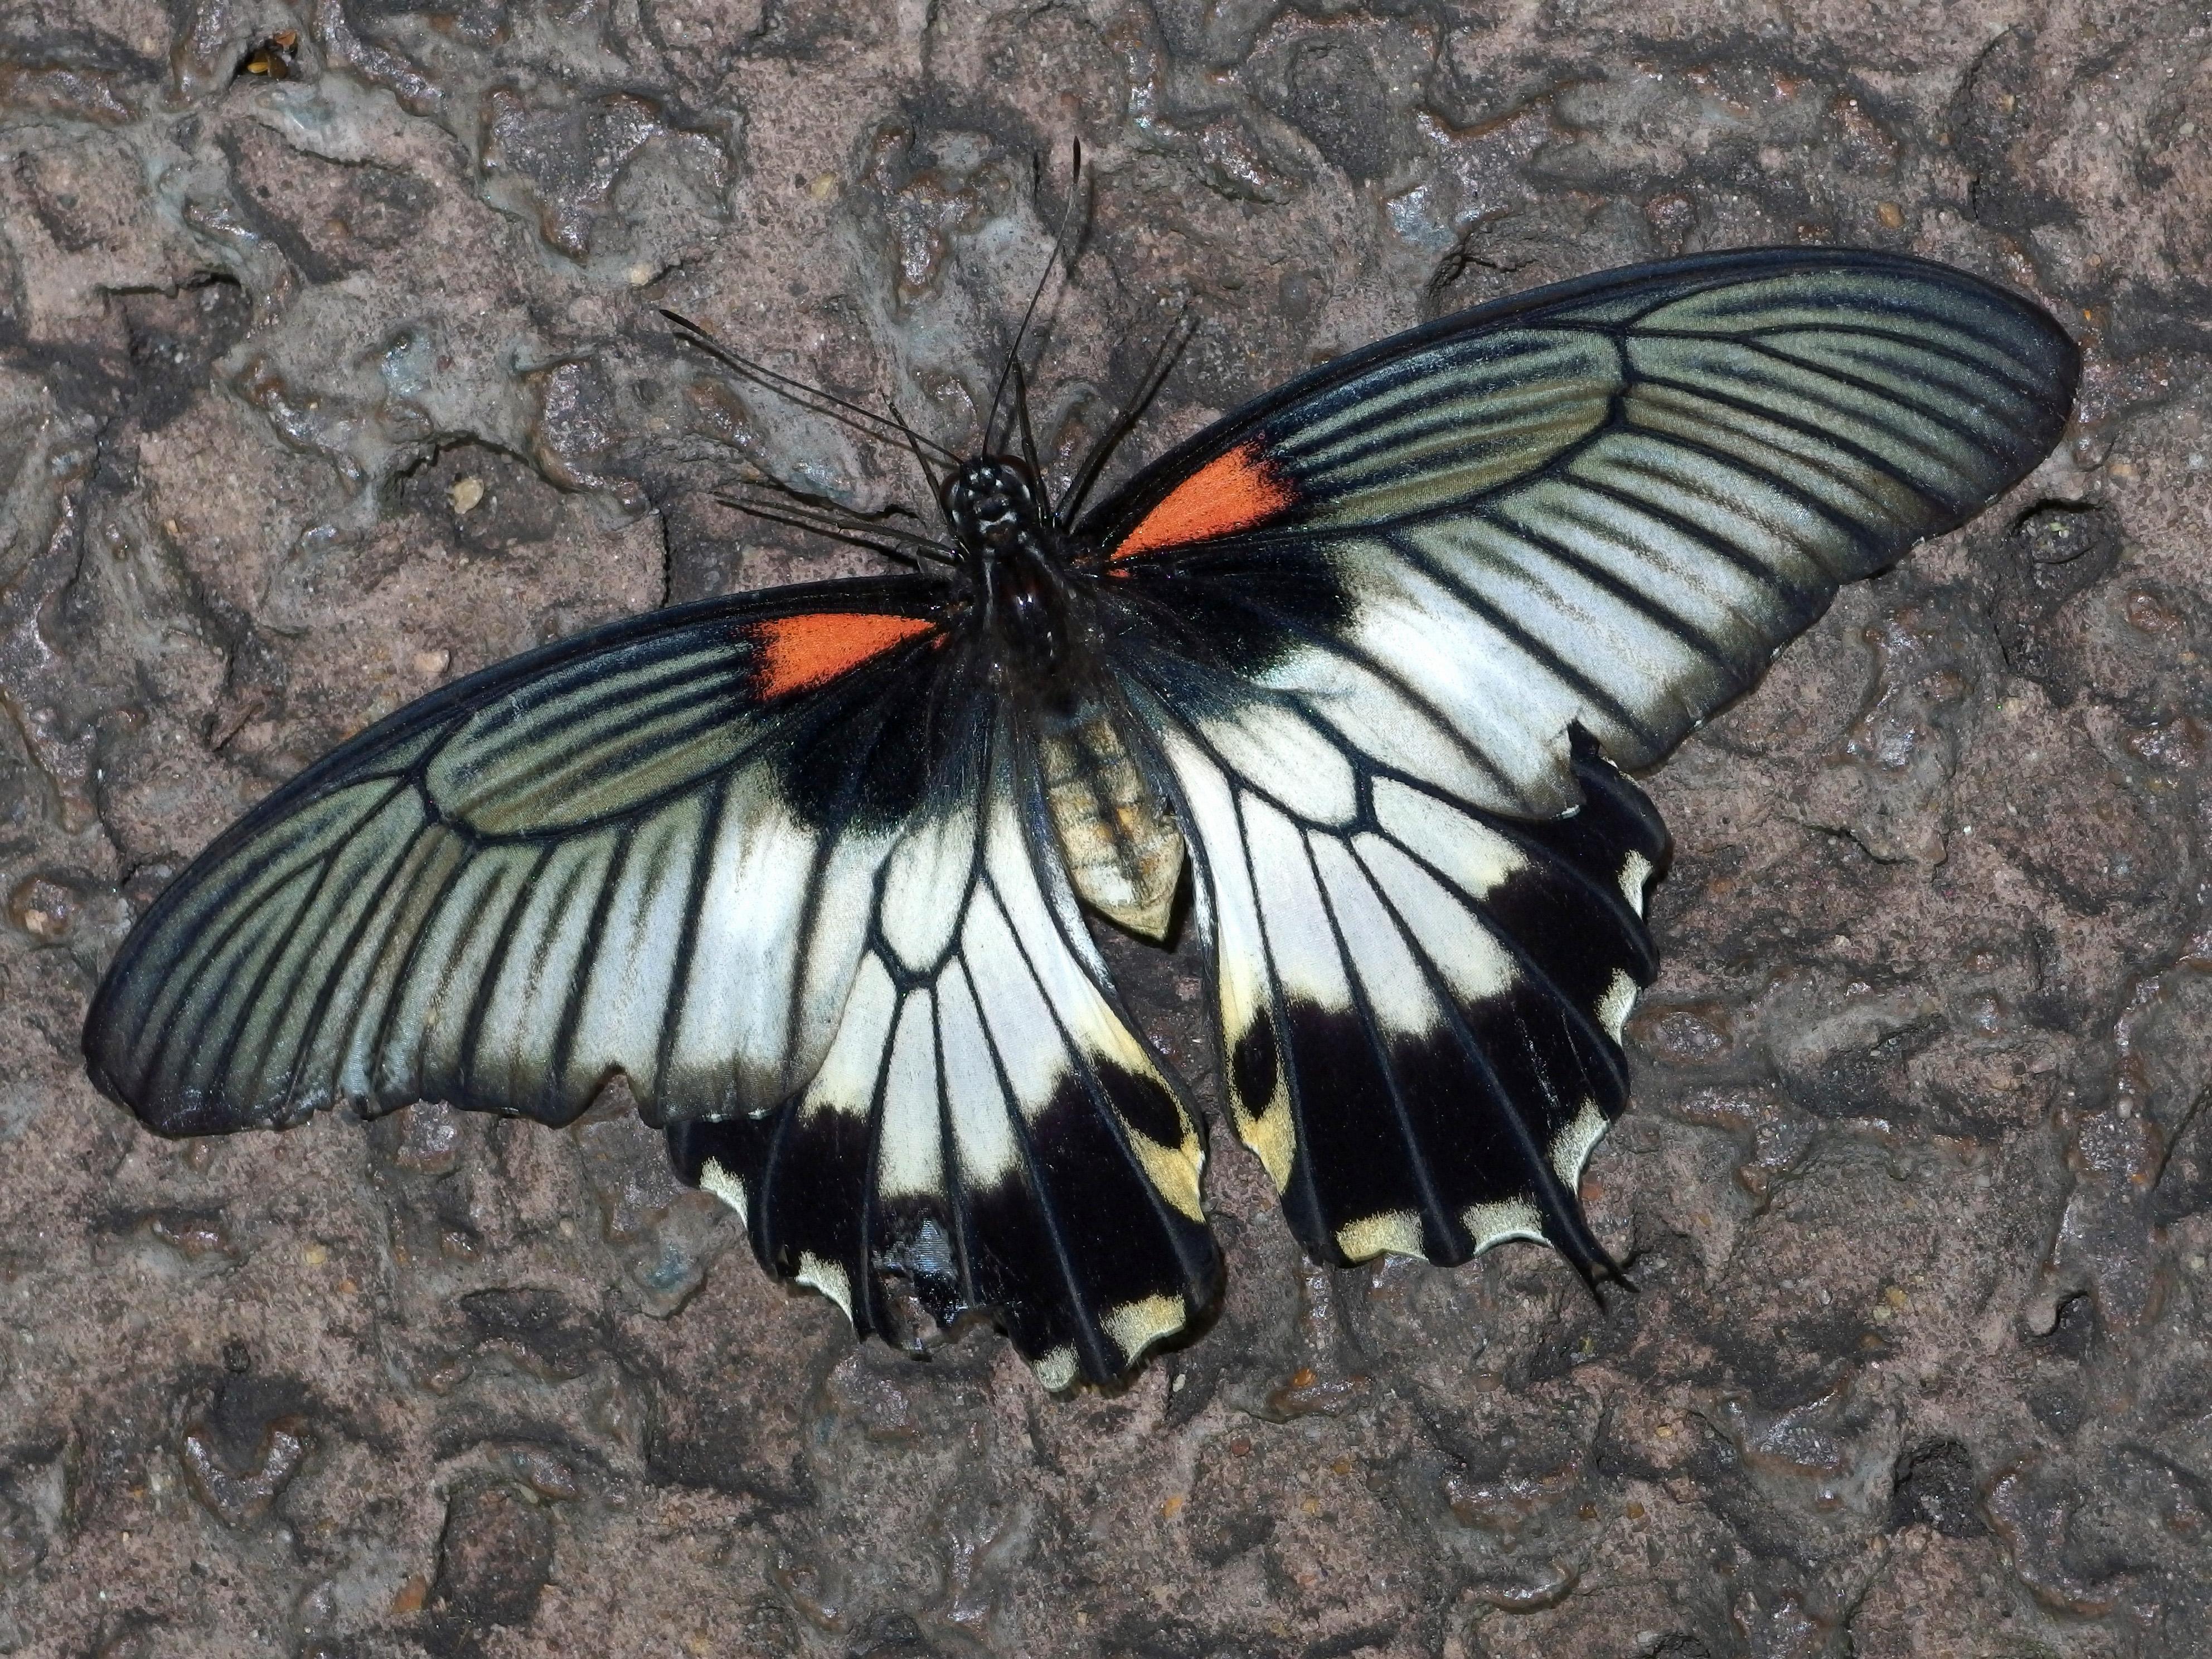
{"x": 1363, "y": 667}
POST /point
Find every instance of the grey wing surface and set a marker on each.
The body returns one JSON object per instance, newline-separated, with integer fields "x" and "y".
{"x": 1395, "y": 627}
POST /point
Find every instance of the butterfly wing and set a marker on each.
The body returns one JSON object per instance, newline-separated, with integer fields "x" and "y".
{"x": 645, "y": 849}
{"x": 779, "y": 860}
{"x": 1368, "y": 617}
{"x": 986, "y": 1132}
{"x": 1419, "y": 1003}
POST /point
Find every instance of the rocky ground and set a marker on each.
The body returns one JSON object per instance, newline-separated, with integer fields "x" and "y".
{"x": 328, "y": 371}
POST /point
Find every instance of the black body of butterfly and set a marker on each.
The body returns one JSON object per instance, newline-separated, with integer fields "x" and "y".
{"x": 807, "y": 865}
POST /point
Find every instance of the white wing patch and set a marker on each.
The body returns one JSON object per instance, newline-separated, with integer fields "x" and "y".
{"x": 1635, "y": 876}
{"x": 1571, "y": 1149}
{"x": 930, "y": 863}
{"x": 743, "y": 981}
{"x": 726, "y": 1185}
{"x": 983, "y": 1145}
{"x": 846, "y": 1081}
{"x": 1612, "y": 1010}
{"x": 1419, "y": 1008}
{"x": 910, "y": 1144}
{"x": 829, "y": 1277}
{"x": 1494, "y": 1223}
{"x": 1395, "y": 1233}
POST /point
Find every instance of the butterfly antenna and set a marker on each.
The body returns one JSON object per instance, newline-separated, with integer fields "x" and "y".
{"x": 1022, "y": 410}
{"x": 827, "y": 516}
{"x": 1014, "y": 352}
{"x": 1170, "y": 350}
{"x": 843, "y": 411}
{"x": 892, "y": 544}
{"x": 913, "y": 442}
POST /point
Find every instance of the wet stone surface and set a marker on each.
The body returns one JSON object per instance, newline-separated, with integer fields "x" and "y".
{"x": 330, "y": 372}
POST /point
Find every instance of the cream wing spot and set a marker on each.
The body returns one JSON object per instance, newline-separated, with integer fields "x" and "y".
{"x": 827, "y": 1277}
{"x": 1055, "y": 1370}
{"x": 1727, "y": 606}
{"x": 1635, "y": 871}
{"x": 1394, "y": 1232}
{"x": 1174, "y": 1171}
{"x": 1655, "y": 671}
{"x": 1733, "y": 507}
{"x": 1135, "y": 1325}
{"x": 1266, "y": 1126}
{"x": 716, "y": 1178}
{"x": 1572, "y": 1145}
{"x": 1493, "y": 1224}
{"x": 364, "y": 1071}
{"x": 1612, "y": 1009}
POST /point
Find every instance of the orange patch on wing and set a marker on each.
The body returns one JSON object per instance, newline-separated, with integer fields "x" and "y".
{"x": 799, "y": 653}
{"x": 1231, "y": 492}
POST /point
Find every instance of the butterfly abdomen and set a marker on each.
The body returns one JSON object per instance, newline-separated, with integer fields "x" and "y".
{"x": 1124, "y": 852}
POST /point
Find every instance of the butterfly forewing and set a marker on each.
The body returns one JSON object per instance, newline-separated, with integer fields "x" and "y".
{"x": 1394, "y": 628}
{"x": 597, "y": 858}
{"x": 1607, "y": 504}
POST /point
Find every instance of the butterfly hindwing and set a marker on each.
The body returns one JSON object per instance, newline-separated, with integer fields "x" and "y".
{"x": 986, "y": 1131}
{"x": 1419, "y": 1003}
{"x": 1393, "y": 626}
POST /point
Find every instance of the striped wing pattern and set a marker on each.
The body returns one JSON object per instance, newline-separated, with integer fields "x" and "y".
{"x": 1419, "y": 1003}
{"x": 986, "y": 1131}
{"x": 576, "y": 863}
{"x": 1383, "y": 623}
{"x": 1610, "y": 504}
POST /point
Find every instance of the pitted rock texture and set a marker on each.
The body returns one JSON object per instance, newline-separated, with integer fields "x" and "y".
{"x": 330, "y": 370}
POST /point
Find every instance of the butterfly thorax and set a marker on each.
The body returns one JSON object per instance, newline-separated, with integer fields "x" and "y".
{"x": 1123, "y": 851}
{"x": 1009, "y": 541}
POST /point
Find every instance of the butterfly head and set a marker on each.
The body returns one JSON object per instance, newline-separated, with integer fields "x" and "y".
{"x": 996, "y": 506}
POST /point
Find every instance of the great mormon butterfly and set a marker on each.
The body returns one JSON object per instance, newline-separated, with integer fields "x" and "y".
{"x": 808, "y": 865}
